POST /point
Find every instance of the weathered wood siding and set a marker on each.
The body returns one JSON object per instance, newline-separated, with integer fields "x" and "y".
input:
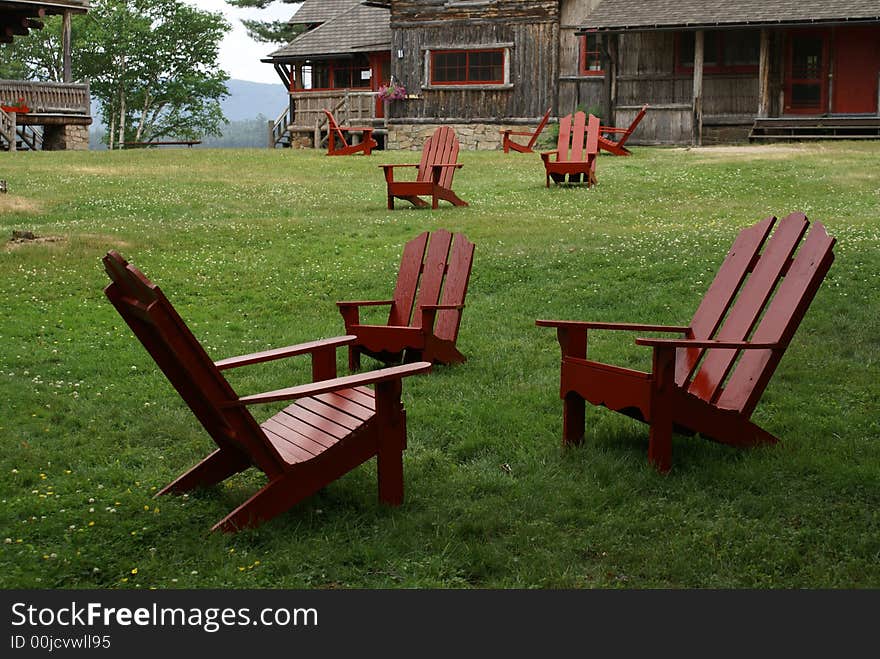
{"x": 576, "y": 91}
{"x": 499, "y": 11}
{"x": 646, "y": 74}
{"x": 529, "y": 32}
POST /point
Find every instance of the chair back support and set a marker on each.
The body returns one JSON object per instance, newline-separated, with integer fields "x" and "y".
{"x": 578, "y": 138}
{"x": 185, "y": 363}
{"x": 333, "y": 126}
{"x": 540, "y": 127}
{"x": 759, "y": 296}
{"x": 441, "y": 148}
{"x": 434, "y": 269}
{"x": 635, "y": 122}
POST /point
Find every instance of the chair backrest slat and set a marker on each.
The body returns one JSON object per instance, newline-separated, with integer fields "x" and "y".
{"x": 408, "y": 280}
{"x": 750, "y": 302}
{"x": 564, "y": 139}
{"x": 577, "y": 137}
{"x": 458, "y": 274}
{"x": 780, "y": 321}
{"x": 721, "y": 293}
{"x": 185, "y": 363}
{"x": 434, "y": 269}
{"x": 441, "y": 148}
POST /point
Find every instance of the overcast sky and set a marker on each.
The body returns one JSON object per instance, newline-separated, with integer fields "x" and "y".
{"x": 239, "y": 54}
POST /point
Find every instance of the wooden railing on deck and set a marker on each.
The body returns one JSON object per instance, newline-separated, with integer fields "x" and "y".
{"x": 48, "y": 97}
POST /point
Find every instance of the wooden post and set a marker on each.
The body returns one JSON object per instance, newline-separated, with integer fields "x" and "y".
{"x": 764, "y": 75}
{"x": 607, "y": 110}
{"x": 13, "y": 135}
{"x": 698, "y": 88}
{"x": 271, "y": 141}
{"x": 65, "y": 47}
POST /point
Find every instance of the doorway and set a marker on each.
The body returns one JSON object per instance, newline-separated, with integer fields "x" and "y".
{"x": 806, "y": 73}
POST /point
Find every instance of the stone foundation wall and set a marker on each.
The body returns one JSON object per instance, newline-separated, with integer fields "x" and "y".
{"x": 471, "y": 137}
{"x": 65, "y": 138}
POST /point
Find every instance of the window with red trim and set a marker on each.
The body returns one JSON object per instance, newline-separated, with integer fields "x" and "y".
{"x": 728, "y": 51}
{"x": 467, "y": 67}
{"x": 590, "y": 56}
{"x": 331, "y": 74}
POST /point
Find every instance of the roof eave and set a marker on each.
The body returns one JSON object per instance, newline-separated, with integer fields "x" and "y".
{"x": 829, "y": 22}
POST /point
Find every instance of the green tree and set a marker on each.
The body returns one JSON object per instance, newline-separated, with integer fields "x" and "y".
{"x": 36, "y": 56}
{"x": 280, "y": 32}
{"x": 151, "y": 64}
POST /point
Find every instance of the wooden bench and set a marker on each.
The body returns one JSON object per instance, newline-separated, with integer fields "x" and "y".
{"x": 144, "y": 145}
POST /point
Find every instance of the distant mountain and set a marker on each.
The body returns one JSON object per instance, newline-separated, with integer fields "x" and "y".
{"x": 248, "y": 99}
{"x": 246, "y": 102}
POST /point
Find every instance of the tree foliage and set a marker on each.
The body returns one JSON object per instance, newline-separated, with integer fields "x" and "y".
{"x": 280, "y": 32}
{"x": 151, "y": 64}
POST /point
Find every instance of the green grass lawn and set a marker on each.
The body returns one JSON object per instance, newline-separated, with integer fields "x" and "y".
{"x": 255, "y": 246}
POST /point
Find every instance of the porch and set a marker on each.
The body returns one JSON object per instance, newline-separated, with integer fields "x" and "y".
{"x": 304, "y": 121}
{"x": 57, "y": 115}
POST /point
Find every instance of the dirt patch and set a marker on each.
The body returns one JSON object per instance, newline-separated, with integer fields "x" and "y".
{"x": 14, "y": 204}
{"x": 20, "y": 238}
{"x": 756, "y": 151}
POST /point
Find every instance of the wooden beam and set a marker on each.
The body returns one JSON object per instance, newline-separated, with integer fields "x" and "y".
{"x": 65, "y": 47}
{"x": 764, "y": 75}
{"x": 698, "y": 87}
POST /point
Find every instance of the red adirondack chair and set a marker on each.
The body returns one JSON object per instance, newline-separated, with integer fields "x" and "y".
{"x": 576, "y": 151}
{"x": 710, "y": 381}
{"x": 509, "y": 144}
{"x": 337, "y": 132}
{"x": 426, "y": 308}
{"x": 433, "y": 175}
{"x": 616, "y": 146}
{"x": 334, "y": 425}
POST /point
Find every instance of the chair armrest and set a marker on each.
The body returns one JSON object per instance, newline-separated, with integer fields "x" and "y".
{"x": 398, "y": 165}
{"x": 428, "y": 313}
{"x": 280, "y": 353}
{"x": 545, "y": 155}
{"x": 606, "y": 129}
{"x": 364, "y": 303}
{"x": 705, "y": 344}
{"x": 326, "y": 386}
{"x": 626, "y": 327}
{"x": 446, "y": 164}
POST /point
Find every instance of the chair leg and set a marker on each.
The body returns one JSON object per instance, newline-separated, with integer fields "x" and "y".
{"x": 391, "y": 202}
{"x": 276, "y": 497}
{"x": 392, "y": 441}
{"x": 660, "y": 444}
{"x": 218, "y": 466}
{"x": 354, "y": 358}
{"x": 573, "y": 419}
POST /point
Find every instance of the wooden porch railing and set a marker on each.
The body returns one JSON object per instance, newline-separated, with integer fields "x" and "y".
{"x": 7, "y": 130}
{"x": 348, "y": 106}
{"x": 48, "y": 97}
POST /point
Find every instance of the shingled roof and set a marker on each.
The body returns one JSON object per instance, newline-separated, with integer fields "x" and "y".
{"x": 615, "y": 15}
{"x": 320, "y": 11}
{"x": 352, "y": 28}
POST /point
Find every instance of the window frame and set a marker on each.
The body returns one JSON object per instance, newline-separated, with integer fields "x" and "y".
{"x": 719, "y": 67}
{"x": 582, "y": 55}
{"x": 502, "y": 83}
{"x": 331, "y": 66}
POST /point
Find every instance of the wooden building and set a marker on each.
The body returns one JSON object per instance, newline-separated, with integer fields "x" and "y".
{"x": 338, "y": 63}
{"x": 710, "y": 71}
{"x": 43, "y": 115}
{"x": 718, "y": 72}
